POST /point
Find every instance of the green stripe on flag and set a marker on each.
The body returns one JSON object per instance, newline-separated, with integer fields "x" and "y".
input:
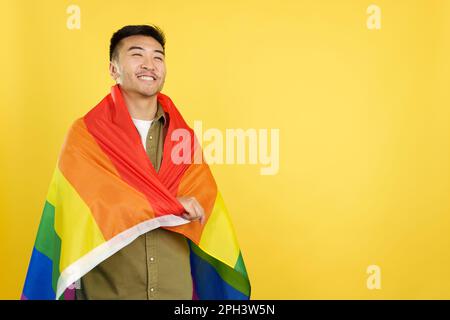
{"x": 228, "y": 274}
{"x": 48, "y": 242}
{"x": 240, "y": 266}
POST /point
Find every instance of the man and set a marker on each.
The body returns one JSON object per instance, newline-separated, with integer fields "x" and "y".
{"x": 124, "y": 218}
{"x": 156, "y": 265}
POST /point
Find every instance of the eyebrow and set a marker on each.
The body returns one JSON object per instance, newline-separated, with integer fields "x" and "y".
{"x": 140, "y": 48}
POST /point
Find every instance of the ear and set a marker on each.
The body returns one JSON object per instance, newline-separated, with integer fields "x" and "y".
{"x": 113, "y": 70}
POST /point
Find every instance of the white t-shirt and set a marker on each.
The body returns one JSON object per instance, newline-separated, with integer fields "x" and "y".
{"x": 143, "y": 126}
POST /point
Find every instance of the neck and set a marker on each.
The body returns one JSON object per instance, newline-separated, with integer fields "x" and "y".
{"x": 140, "y": 107}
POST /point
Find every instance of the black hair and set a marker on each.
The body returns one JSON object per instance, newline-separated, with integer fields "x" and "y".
{"x": 133, "y": 30}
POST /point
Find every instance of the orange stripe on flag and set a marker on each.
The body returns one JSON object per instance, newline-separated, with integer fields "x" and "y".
{"x": 79, "y": 162}
{"x": 197, "y": 182}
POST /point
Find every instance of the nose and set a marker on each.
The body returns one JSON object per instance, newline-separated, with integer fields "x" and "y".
{"x": 148, "y": 65}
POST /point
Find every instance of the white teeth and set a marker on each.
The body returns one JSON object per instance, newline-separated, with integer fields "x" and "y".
{"x": 146, "y": 78}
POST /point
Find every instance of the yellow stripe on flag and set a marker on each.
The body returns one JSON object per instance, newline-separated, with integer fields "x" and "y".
{"x": 218, "y": 238}
{"x": 72, "y": 219}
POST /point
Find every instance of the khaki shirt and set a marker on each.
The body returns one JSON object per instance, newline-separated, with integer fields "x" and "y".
{"x": 154, "y": 266}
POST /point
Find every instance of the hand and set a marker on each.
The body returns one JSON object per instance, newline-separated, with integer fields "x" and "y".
{"x": 194, "y": 210}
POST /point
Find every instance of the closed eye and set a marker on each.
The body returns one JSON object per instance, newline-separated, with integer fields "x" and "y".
{"x": 137, "y": 54}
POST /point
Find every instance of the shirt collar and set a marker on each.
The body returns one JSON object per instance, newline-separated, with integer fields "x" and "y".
{"x": 160, "y": 114}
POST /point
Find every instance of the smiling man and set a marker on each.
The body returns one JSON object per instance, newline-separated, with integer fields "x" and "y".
{"x": 123, "y": 217}
{"x": 156, "y": 265}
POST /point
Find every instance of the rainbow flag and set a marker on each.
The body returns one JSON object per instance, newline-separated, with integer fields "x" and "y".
{"x": 104, "y": 193}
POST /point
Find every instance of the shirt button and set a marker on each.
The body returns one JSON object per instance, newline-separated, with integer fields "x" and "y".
{"x": 151, "y": 289}
{"x": 151, "y": 137}
{"x": 152, "y": 259}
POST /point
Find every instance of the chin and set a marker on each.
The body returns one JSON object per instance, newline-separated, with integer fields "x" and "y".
{"x": 149, "y": 93}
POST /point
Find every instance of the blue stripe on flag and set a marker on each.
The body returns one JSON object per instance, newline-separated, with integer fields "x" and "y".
{"x": 38, "y": 284}
{"x": 208, "y": 283}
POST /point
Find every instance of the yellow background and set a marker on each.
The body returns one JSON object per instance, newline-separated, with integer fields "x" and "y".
{"x": 363, "y": 116}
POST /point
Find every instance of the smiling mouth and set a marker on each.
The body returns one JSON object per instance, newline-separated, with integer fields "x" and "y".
{"x": 146, "y": 78}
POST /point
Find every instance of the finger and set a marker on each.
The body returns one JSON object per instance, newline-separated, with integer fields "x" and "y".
{"x": 189, "y": 217}
{"x": 198, "y": 208}
{"x": 190, "y": 209}
{"x": 202, "y": 219}
{"x": 198, "y": 211}
{"x": 191, "y": 213}
{"x": 186, "y": 216}
{"x": 193, "y": 209}
{"x": 202, "y": 215}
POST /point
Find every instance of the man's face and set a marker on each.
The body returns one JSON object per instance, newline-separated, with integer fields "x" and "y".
{"x": 139, "y": 66}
